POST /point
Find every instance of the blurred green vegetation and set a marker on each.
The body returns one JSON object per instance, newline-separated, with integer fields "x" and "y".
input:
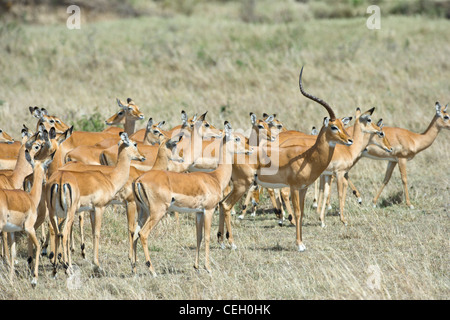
{"x": 252, "y": 11}
{"x": 90, "y": 122}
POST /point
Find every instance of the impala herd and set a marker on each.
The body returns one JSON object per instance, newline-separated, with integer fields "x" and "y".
{"x": 56, "y": 173}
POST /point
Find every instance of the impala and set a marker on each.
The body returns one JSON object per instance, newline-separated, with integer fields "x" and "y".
{"x": 296, "y": 167}
{"x": 406, "y": 145}
{"x": 5, "y": 138}
{"x": 18, "y": 213}
{"x": 157, "y": 192}
{"x": 70, "y": 191}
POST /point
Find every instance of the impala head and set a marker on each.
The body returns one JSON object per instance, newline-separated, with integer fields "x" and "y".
{"x": 204, "y": 129}
{"x": 235, "y": 143}
{"x": 118, "y": 118}
{"x": 5, "y": 138}
{"x": 154, "y": 133}
{"x": 130, "y": 147}
{"x": 379, "y": 138}
{"x": 275, "y": 125}
{"x": 365, "y": 121}
{"x": 131, "y": 110}
{"x": 334, "y": 127}
{"x": 260, "y": 129}
{"x": 48, "y": 121}
{"x": 41, "y": 164}
{"x": 443, "y": 117}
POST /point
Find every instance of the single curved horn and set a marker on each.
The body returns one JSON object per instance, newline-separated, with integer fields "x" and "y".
{"x": 320, "y": 101}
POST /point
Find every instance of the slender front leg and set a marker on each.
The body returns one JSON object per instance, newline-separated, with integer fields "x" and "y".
{"x": 355, "y": 191}
{"x": 402, "y": 168}
{"x": 32, "y": 240}
{"x": 199, "y": 222}
{"x": 320, "y": 197}
{"x": 208, "y": 216}
{"x": 387, "y": 176}
{"x": 298, "y": 202}
{"x": 98, "y": 215}
{"x": 13, "y": 255}
{"x": 326, "y": 190}
{"x": 131, "y": 208}
{"x": 342, "y": 193}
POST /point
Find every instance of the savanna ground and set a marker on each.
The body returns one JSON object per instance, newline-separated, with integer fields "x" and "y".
{"x": 231, "y": 58}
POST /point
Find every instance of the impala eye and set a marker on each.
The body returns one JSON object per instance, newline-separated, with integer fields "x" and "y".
{"x": 446, "y": 118}
{"x": 155, "y": 131}
{"x": 279, "y": 127}
{"x": 334, "y": 128}
{"x": 237, "y": 139}
{"x": 52, "y": 121}
{"x": 120, "y": 113}
{"x": 207, "y": 125}
{"x": 369, "y": 120}
{"x": 260, "y": 127}
{"x": 135, "y": 144}
{"x": 1, "y": 130}
{"x": 381, "y": 134}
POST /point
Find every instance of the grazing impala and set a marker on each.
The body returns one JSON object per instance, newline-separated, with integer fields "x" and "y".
{"x": 157, "y": 192}
{"x": 18, "y": 213}
{"x": 70, "y": 191}
{"x": 296, "y": 167}
{"x": 406, "y": 145}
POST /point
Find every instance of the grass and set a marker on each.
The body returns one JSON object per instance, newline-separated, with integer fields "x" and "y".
{"x": 169, "y": 63}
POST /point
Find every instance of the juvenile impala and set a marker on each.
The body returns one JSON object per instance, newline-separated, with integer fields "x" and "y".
{"x": 157, "y": 192}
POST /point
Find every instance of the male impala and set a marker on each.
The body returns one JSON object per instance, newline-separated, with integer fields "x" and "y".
{"x": 157, "y": 192}
{"x": 406, "y": 145}
{"x": 70, "y": 191}
{"x": 297, "y": 167}
{"x": 18, "y": 213}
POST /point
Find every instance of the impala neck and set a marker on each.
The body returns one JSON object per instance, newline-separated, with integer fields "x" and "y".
{"x": 121, "y": 172}
{"x": 321, "y": 153}
{"x": 21, "y": 170}
{"x": 224, "y": 169}
{"x": 425, "y": 139}
{"x": 161, "y": 162}
{"x": 36, "y": 189}
{"x": 360, "y": 140}
{"x": 129, "y": 126}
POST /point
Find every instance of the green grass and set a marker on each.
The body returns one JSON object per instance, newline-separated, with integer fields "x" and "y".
{"x": 170, "y": 63}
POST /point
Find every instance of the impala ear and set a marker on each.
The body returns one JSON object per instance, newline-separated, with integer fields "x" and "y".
{"x": 52, "y": 133}
{"x": 269, "y": 119}
{"x": 124, "y": 138}
{"x": 253, "y": 118}
{"x": 227, "y": 129}
{"x": 120, "y": 103}
{"x": 380, "y": 123}
{"x": 63, "y": 137}
{"x": 265, "y": 115}
{"x": 149, "y": 123}
{"x": 161, "y": 124}
{"x": 202, "y": 117}
{"x": 438, "y": 109}
{"x": 346, "y": 120}
{"x": 445, "y": 109}
{"x": 314, "y": 131}
{"x": 325, "y": 122}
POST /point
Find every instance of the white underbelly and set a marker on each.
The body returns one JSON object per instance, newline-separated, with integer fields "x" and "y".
{"x": 270, "y": 185}
{"x": 174, "y": 208}
{"x": 10, "y": 227}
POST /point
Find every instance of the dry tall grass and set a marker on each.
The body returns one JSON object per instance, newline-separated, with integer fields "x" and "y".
{"x": 212, "y": 60}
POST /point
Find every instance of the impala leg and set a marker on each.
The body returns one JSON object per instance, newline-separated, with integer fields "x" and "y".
{"x": 6, "y": 253}
{"x": 13, "y": 255}
{"x": 247, "y": 201}
{"x": 55, "y": 241}
{"x": 156, "y": 213}
{"x": 354, "y": 189}
{"x": 98, "y": 215}
{"x": 225, "y": 206}
{"x": 131, "y": 208}
{"x": 316, "y": 194}
{"x": 326, "y": 190}
{"x": 285, "y": 193}
{"x": 387, "y": 176}
{"x": 81, "y": 226}
{"x": 402, "y": 168}
{"x": 320, "y": 197}
{"x": 298, "y": 202}
{"x": 207, "y": 227}
{"x": 342, "y": 193}
{"x": 199, "y": 222}
{"x": 328, "y": 204}
{"x": 32, "y": 240}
